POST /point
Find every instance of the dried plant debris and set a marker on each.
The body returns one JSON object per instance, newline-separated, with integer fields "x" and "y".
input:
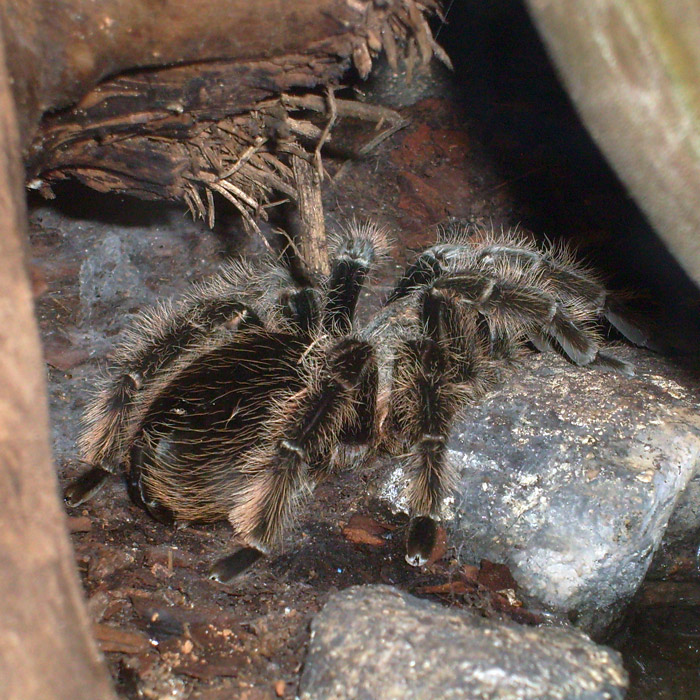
{"x": 489, "y": 588}
{"x": 401, "y": 24}
{"x": 188, "y": 132}
{"x": 362, "y": 529}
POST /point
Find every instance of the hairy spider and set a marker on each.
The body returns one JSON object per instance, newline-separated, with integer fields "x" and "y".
{"x": 234, "y": 402}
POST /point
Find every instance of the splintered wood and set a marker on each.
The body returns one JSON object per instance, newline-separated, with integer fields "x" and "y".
{"x": 243, "y": 130}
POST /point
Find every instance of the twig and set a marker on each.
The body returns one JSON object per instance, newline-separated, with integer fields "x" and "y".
{"x": 198, "y": 202}
{"x": 247, "y": 218}
{"x": 312, "y": 239}
{"x": 210, "y": 206}
{"x": 274, "y": 181}
{"x": 333, "y": 107}
{"x": 373, "y": 143}
{"x": 244, "y": 158}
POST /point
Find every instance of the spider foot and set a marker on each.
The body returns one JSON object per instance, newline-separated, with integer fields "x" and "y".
{"x": 421, "y": 540}
{"x": 232, "y": 565}
{"x": 84, "y": 487}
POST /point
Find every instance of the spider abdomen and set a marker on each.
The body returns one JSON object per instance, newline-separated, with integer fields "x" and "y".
{"x": 190, "y": 445}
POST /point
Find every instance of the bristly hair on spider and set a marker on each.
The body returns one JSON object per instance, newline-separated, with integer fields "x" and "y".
{"x": 236, "y": 401}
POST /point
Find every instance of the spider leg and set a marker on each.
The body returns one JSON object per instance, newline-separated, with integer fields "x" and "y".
{"x": 516, "y": 307}
{"x": 361, "y": 428}
{"x": 301, "y": 310}
{"x": 555, "y": 265}
{"x": 85, "y": 486}
{"x": 232, "y": 565}
{"x": 297, "y": 453}
{"x": 420, "y": 539}
{"x": 434, "y": 376}
{"x": 424, "y": 271}
{"x": 571, "y": 283}
{"x": 353, "y": 258}
{"x": 161, "y": 336}
{"x": 619, "y": 318}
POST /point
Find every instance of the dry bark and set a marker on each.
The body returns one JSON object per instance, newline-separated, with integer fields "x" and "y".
{"x": 58, "y": 51}
{"x": 233, "y": 128}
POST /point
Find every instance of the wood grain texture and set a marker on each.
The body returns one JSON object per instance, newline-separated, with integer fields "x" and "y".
{"x": 46, "y": 650}
{"x": 58, "y": 51}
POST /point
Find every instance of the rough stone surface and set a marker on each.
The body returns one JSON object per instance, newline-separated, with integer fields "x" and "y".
{"x": 679, "y": 553}
{"x": 376, "y": 642}
{"x": 569, "y": 476}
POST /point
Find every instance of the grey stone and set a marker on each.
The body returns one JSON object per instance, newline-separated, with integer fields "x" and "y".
{"x": 679, "y": 553}
{"x": 569, "y": 476}
{"x": 374, "y": 642}
{"x": 107, "y": 275}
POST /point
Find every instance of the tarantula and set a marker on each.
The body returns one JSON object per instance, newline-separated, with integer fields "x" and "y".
{"x": 234, "y": 402}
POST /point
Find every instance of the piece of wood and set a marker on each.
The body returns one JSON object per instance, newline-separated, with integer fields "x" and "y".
{"x": 46, "y": 650}
{"x": 312, "y": 239}
{"x": 59, "y": 51}
{"x": 116, "y": 639}
{"x": 225, "y": 127}
{"x": 632, "y": 69}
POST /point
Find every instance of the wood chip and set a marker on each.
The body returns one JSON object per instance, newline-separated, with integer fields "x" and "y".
{"x": 471, "y": 572}
{"x": 79, "y": 523}
{"x": 371, "y": 525}
{"x": 358, "y": 535}
{"x": 496, "y": 577}
{"x": 116, "y": 639}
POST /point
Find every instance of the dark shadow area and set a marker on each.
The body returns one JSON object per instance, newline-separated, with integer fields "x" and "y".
{"x": 559, "y": 179}
{"x": 76, "y": 201}
{"x": 73, "y": 200}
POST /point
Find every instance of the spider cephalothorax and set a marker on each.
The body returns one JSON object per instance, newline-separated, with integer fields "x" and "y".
{"x": 236, "y": 401}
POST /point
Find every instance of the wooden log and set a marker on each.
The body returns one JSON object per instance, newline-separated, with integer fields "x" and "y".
{"x": 633, "y": 71}
{"x": 59, "y": 51}
{"x": 46, "y": 650}
{"x": 226, "y": 127}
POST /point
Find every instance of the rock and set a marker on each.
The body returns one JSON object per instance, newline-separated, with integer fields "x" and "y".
{"x": 376, "y": 642}
{"x": 107, "y": 275}
{"x": 678, "y": 556}
{"x": 569, "y": 476}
